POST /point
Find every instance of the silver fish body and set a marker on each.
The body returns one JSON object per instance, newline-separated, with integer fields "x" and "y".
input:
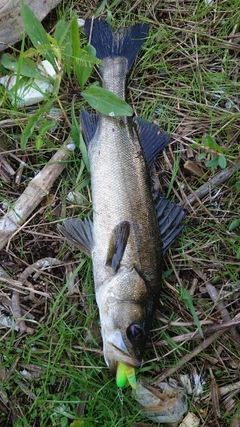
{"x": 121, "y": 193}
{"x": 124, "y": 239}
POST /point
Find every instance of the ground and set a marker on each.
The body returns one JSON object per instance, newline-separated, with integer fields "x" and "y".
{"x": 186, "y": 79}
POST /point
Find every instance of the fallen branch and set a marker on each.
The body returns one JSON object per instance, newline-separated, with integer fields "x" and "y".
{"x": 213, "y": 183}
{"x": 37, "y": 189}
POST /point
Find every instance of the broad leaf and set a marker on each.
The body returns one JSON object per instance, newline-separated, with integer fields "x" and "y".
{"x": 222, "y": 161}
{"x": 234, "y": 224}
{"x": 208, "y": 141}
{"x": 37, "y": 34}
{"x": 28, "y": 67}
{"x": 106, "y": 102}
{"x": 212, "y": 163}
{"x": 238, "y": 186}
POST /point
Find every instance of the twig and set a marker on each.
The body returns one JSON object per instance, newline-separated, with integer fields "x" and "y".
{"x": 17, "y": 285}
{"x": 41, "y": 264}
{"x": 193, "y": 336}
{"x": 214, "y": 295}
{"x": 37, "y": 189}
{"x": 202, "y": 346}
{"x": 17, "y": 313}
{"x": 216, "y": 181}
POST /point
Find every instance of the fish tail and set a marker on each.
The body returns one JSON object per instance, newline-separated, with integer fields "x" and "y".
{"x": 127, "y": 42}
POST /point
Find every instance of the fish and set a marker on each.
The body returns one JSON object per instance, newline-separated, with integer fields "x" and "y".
{"x": 131, "y": 230}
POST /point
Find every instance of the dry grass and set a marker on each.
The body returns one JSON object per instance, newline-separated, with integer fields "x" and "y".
{"x": 52, "y": 371}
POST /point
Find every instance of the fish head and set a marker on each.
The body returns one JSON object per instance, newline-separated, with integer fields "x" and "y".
{"x": 123, "y": 307}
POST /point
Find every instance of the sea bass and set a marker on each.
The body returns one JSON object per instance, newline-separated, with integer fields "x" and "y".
{"x": 130, "y": 231}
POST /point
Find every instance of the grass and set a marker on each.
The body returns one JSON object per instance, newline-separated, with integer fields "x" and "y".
{"x": 186, "y": 79}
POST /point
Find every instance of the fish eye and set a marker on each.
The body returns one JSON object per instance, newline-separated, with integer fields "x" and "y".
{"x": 135, "y": 332}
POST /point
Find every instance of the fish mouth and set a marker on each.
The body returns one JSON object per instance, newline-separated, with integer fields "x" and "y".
{"x": 115, "y": 351}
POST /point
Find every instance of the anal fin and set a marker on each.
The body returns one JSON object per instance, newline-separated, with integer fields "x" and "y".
{"x": 117, "y": 244}
{"x": 79, "y": 233}
{"x": 89, "y": 124}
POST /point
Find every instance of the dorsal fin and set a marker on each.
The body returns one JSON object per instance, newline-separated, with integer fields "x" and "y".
{"x": 170, "y": 218}
{"x": 152, "y": 138}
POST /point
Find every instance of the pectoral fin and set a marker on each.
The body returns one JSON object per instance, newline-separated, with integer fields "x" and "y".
{"x": 117, "y": 244}
{"x": 79, "y": 233}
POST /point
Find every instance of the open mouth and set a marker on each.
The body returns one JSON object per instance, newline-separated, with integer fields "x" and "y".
{"x": 115, "y": 352}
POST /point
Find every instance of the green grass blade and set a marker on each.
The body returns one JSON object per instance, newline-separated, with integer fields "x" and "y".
{"x": 78, "y": 139}
{"x": 186, "y": 297}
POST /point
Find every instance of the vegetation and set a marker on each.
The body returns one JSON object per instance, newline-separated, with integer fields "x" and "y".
{"x": 186, "y": 79}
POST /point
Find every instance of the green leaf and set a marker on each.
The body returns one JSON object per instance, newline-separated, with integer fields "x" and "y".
{"x": 78, "y": 139}
{"x": 212, "y": 163}
{"x": 29, "y": 128}
{"x": 28, "y": 67}
{"x": 37, "y": 34}
{"x": 100, "y": 8}
{"x": 84, "y": 59}
{"x": 234, "y": 224}
{"x": 167, "y": 273}
{"x": 238, "y": 253}
{"x": 45, "y": 127}
{"x": 186, "y": 297}
{"x": 208, "y": 141}
{"x": 222, "y": 161}
{"x": 202, "y": 156}
{"x": 61, "y": 33}
{"x": 106, "y": 102}
{"x": 77, "y": 423}
{"x": 39, "y": 142}
{"x": 238, "y": 186}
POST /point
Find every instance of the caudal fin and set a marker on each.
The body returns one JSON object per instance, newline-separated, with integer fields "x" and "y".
{"x": 126, "y": 42}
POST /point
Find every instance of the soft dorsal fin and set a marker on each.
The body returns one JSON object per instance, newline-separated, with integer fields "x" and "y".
{"x": 117, "y": 244}
{"x": 79, "y": 233}
{"x": 170, "y": 218}
{"x": 153, "y": 139}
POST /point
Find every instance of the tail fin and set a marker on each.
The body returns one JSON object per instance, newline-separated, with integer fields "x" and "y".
{"x": 126, "y": 42}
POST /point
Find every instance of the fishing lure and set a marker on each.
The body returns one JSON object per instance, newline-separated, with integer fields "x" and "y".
{"x": 126, "y": 374}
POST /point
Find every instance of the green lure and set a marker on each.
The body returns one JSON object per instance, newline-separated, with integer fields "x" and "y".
{"x": 126, "y": 374}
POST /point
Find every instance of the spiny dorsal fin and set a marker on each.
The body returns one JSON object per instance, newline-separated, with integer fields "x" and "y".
{"x": 79, "y": 233}
{"x": 153, "y": 139}
{"x": 117, "y": 244}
